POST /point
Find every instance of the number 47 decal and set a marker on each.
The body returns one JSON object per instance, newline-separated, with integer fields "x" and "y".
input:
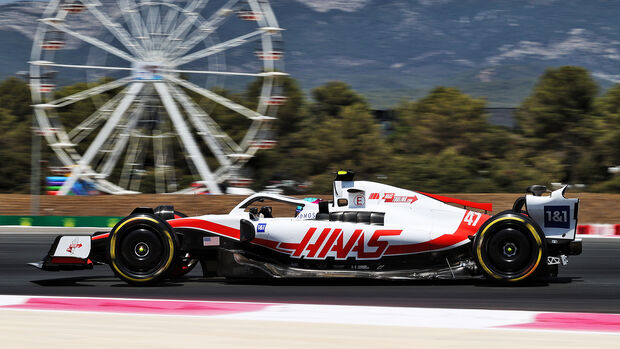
{"x": 472, "y": 218}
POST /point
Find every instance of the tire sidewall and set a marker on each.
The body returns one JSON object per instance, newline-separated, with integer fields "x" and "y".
{"x": 493, "y": 226}
{"x": 169, "y": 247}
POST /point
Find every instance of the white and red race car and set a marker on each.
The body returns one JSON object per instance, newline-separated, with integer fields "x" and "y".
{"x": 368, "y": 230}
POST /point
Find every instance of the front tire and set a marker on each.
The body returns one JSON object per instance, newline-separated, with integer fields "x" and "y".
{"x": 510, "y": 247}
{"x": 142, "y": 249}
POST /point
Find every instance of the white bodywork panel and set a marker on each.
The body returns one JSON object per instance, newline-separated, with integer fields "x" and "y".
{"x": 412, "y": 223}
{"x": 402, "y": 207}
{"x": 308, "y": 211}
{"x": 73, "y": 246}
{"x": 312, "y": 239}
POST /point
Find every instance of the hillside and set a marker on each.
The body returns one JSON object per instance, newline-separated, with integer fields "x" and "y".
{"x": 399, "y": 49}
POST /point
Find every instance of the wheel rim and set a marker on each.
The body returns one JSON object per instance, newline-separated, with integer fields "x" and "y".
{"x": 141, "y": 252}
{"x": 511, "y": 251}
{"x": 142, "y": 249}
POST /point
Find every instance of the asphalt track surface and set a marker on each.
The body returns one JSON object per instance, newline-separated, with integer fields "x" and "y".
{"x": 590, "y": 283}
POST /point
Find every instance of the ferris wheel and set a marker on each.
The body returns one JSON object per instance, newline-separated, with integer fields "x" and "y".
{"x": 152, "y": 55}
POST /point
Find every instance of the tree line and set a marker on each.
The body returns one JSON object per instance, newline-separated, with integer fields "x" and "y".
{"x": 567, "y": 131}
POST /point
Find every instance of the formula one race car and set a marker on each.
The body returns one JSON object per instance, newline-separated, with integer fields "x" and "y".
{"x": 369, "y": 230}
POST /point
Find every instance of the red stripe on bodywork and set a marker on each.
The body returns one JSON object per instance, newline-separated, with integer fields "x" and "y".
{"x": 68, "y": 260}
{"x": 304, "y": 242}
{"x": 342, "y": 250}
{"x": 479, "y": 205}
{"x": 329, "y": 243}
{"x": 435, "y": 244}
{"x": 374, "y": 242}
{"x": 102, "y": 236}
{"x": 461, "y": 234}
{"x": 288, "y": 245}
{"x": 265, "y": 243}
{"x": 271, "y": 244}
{"x": 313, "y": 249}
{"x": 205, "y": 225}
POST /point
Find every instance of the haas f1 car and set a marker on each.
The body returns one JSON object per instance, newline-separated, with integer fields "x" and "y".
{"x": 368, "y": 230}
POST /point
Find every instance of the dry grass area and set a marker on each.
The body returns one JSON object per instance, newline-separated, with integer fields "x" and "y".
{"x": 594, "y": 208}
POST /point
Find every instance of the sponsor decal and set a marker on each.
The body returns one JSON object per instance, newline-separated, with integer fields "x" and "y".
{"x": 334, "y": 242}
{"x": 557, "y": 217}
{"x": 211, "y": 241}
{"x": 374, "y": 196}
{"x": 357, "y": 201}
{"x": 261, "y": 227}
{"x": 75, "y": 244}
{"x": 306, "y": 215}
{"x": 399, "y": 199}
{"x": 472, "y": 218}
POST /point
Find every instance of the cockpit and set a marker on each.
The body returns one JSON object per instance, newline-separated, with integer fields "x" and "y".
{"x": 275, "y": 206}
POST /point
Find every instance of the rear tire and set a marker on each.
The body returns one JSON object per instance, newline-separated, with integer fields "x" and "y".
{"x": 510, "y": 247}
{"x": 142, "y": 249}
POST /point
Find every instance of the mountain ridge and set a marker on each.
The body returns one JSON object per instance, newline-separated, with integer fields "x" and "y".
{"x": 394, "y": 50}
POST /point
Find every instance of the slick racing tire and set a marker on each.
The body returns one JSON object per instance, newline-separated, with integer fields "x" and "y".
{"x": 510, "y": 247}
{"x": 143, "y": 249}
